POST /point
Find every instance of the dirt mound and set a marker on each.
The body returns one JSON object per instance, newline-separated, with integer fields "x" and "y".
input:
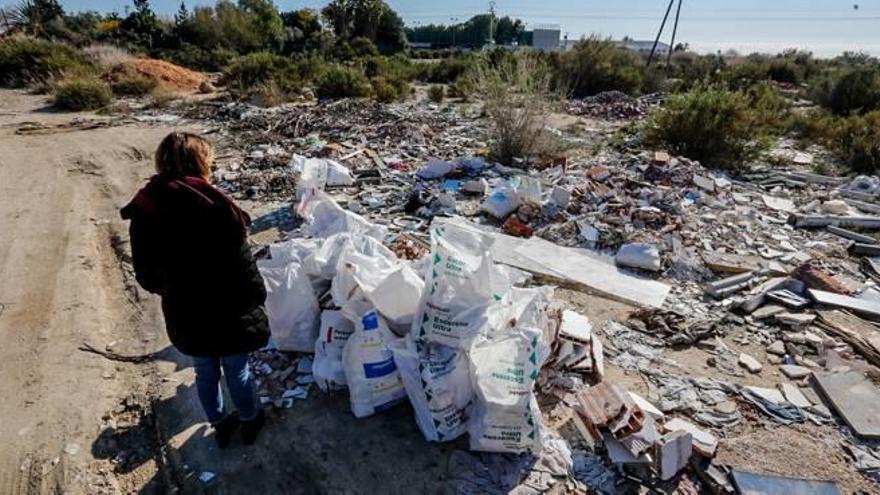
{"x": 170, "y": 76}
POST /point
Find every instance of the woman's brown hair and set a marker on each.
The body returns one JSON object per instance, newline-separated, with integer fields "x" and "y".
{"x": 184, "y": 154}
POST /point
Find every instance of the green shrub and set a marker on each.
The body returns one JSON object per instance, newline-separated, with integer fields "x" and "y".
{"x": 249, "y": 71}
{"x": 82, "y": 94}
{"x": 771, "y": 111}
{"x": 596, "y": 65}
{"x": 383, "y": 91}
{"x": 856, "y": 90}
{"x": 198, "y": 58}
{"x": 129, "y": 83}
{"x": 445, "y": 71}
{"x": 707, "y": 124}
{"x": 26, "y": 61}
{"x": 860, "y": 142}
{"x": 363, "y": 47}
{"x": 785, "y": 71}
{"x": 437, "y": 93}
{"x": 339, "y": 81}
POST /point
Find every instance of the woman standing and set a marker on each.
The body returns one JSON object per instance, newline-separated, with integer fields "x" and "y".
{"x": 189, "y": 246}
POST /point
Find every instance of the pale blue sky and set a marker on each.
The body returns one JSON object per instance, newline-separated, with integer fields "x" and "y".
{"x": 827, "y": 27}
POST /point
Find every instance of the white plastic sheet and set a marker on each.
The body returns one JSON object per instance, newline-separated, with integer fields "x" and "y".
{"x": 502, "y": 201}
{"x": 325, "y": 217}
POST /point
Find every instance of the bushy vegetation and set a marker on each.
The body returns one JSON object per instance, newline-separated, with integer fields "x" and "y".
{"x": 250, "y": 71}
{"x": 859, "y": 140}
{"x": 596, "y": 65}
{"x": 710, "y": 124}
{"x": 437, "y": 93}
{"x": 849, "y": 91}
{"x": 25, "y": 61}
{"x": 340, "y": 81}
{"x": 82, "y": 94}
{"x": 518, "y": 100}
{"x": 126, "y": 82}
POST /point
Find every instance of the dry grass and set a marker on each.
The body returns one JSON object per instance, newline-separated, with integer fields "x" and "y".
{"x": 106, "y": 56}
{"x": 518, "y": 100}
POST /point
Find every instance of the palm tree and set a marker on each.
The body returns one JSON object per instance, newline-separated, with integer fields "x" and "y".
{"x": 30, "y": 17}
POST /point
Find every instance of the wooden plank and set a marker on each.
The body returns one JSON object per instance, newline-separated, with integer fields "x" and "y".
{"x": 854, "y": 398}
{"x": 860, "y": 334}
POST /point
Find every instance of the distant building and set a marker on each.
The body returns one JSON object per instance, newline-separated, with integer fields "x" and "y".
{"x": 643, "y": 47}
{"x": 546, "y": 37}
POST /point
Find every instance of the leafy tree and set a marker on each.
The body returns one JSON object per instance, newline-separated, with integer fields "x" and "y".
{"x": 266, "y": 20}
{"x": 371, "y": 19}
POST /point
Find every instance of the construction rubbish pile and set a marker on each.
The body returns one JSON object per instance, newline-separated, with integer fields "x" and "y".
{"x": 614, "y": 105}
{"x": 414, "y": 269}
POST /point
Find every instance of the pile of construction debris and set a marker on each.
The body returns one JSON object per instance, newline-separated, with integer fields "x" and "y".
{"x": 765, "y": 274}
{"x": 614, "y": 105}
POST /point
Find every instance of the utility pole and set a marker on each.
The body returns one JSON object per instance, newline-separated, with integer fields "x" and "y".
{"x": 492, "y": 22}
{"x": 454, "y": 21}
{"x": 660, "y": 32}
{"x": 674, "y": 31}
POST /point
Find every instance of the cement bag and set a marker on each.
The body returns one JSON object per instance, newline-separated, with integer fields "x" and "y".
{"x": 393, "y": 287}
{"x": 502, "y": 201}
{"x": 327, "y": 366}
{"x": 344, "y": 282}
{"x": 504, "y": 368}
{"x": 324, "y": 217}
{"x": 438, "y": 385}
{"x": 373, "y": 380}
{"x": 458, "y": 288}
{"x": 291, "y": 305}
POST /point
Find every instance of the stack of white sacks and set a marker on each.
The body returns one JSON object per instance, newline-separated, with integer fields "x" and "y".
{"x": 449, "y": 331}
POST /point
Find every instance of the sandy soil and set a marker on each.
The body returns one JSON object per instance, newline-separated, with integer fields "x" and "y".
{"x": 62, "y": 284}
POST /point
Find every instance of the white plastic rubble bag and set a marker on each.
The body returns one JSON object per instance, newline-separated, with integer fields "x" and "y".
{"x": 458, "y": 287}
{"x": 319, "y": 173}
{"x": 394, "y": 288}
{"x": 504, "y": 367}
{"x": 324, "y": 217}
{"x": 344, "y": 282}
{"x": 327, "y": 366}
{"x": 639, "y": 255}
{"x": 373, "y": 381}
{"x": 502, "y": 201}
{"x": 438, "y": 385}
{"x": 435, "y": 169}
{"x": 291, "y": 305}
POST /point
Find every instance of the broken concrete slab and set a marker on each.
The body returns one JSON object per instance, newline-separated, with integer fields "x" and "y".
{"x": 779, "y": 204}
{"x": 793, "y": 394}
{"x": 768, "y": 311}
{"x": 777, "y": 348}
{"x": 797, "y": 320}
{"x": 732, "y": 263}
{"x": 750, "y": 363}
{"x": 864, "y": 306}
{"x": 854, "y": 398}
{"x": 794, "y": 372}
{"x": 768, "y": 394}
{"x": 673, "y": 452}
{"x": 704, "y": 442}
{"x": 765, "y": 484}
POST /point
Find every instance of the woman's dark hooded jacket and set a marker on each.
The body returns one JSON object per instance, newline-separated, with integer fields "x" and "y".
{"x": 189, "y": 245}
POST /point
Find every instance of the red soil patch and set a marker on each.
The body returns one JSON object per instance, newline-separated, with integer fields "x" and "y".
{"x": 170, "y": 76}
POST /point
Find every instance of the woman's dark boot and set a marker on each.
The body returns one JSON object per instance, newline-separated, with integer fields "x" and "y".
{"x": 224, "y": 429}
{"x": 250, "y": 429}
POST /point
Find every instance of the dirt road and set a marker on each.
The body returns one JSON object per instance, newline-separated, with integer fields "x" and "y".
{"x": 62, "y": 284}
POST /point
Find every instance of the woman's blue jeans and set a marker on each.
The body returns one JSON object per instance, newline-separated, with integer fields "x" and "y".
{"x": 239, "y": 382}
